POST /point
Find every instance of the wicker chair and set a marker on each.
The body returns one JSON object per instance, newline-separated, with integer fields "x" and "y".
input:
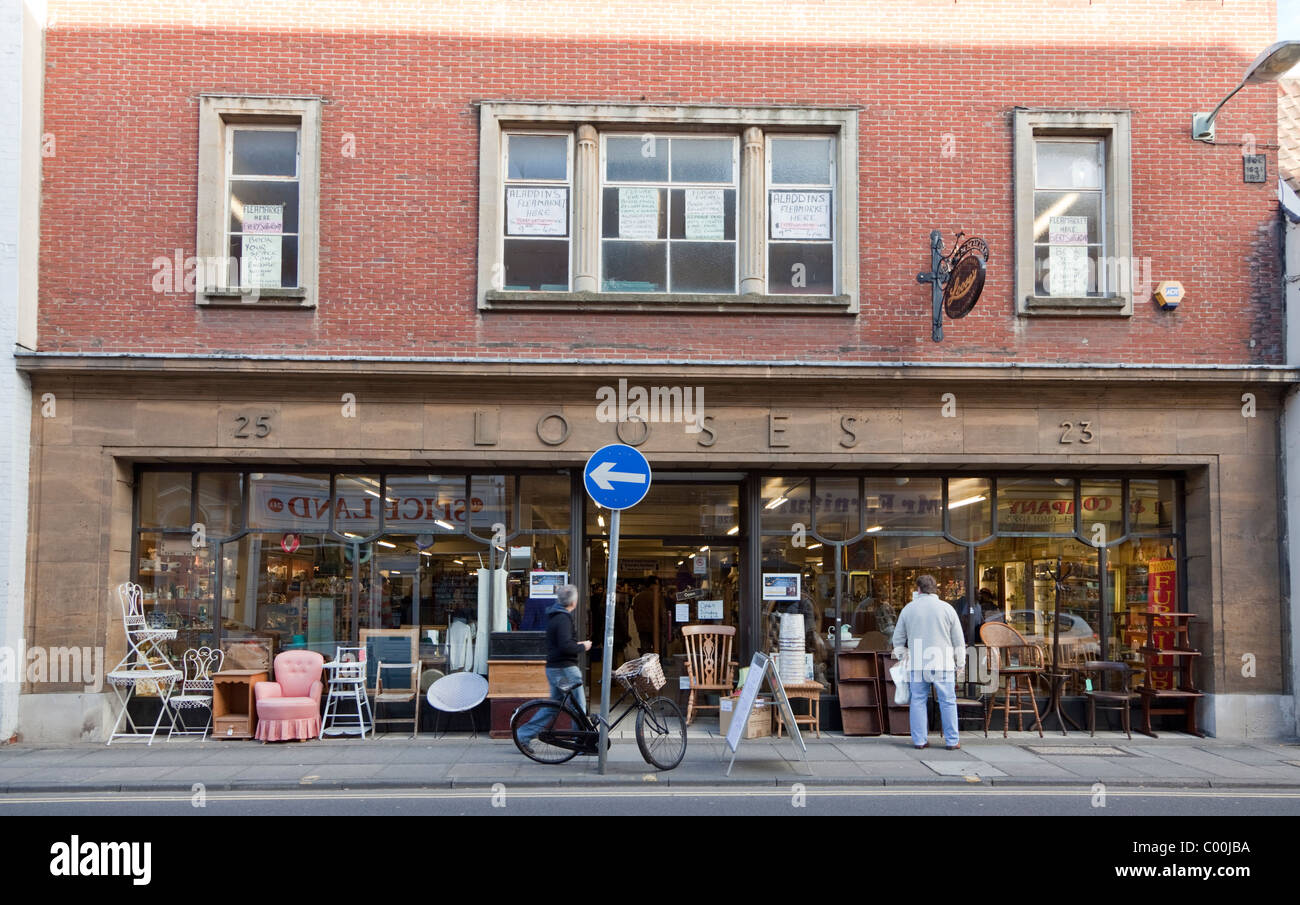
{"x": 1020, "y": 663}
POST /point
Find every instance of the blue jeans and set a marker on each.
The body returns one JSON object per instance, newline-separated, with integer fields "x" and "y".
{"x": 555, "y": 677}
{"x": 945, "y": 689}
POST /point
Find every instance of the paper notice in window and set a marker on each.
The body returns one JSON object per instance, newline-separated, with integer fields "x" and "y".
{"x": 1067, "y": 231}
{"x": 683, "y": 612}
{"x": 800, "y": 215}
{"x": 704, "y": 214}
{"x": 259, "y": 261}
{"x": 264, "y": 219}
{"x": 532, "y": 211}
{"x": 1068, "y": 270}
{"x": 638, "y": 213}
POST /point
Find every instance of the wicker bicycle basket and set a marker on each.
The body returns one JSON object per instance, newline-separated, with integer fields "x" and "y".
{"x": 645, "y": 674}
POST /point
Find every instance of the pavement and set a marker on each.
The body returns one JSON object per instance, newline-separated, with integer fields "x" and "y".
{"x": 396, "y": 761}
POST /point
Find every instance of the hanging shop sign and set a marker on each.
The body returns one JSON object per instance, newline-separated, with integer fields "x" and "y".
{"x": 956, "y": 279}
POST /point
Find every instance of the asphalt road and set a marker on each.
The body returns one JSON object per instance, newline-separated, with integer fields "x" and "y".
{"x": 792, "y": 800}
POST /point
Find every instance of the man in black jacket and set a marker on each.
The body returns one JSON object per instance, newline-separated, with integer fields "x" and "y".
{"x": 562, "y": 651}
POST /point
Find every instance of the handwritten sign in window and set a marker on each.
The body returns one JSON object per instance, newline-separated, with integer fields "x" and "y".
{"x": 536, "y": 211}
{"x": 800, "y": 215}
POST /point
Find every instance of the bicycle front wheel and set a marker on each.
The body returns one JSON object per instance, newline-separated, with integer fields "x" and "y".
{"x": 558, "y": 736}
{"x": 661, "y": 734}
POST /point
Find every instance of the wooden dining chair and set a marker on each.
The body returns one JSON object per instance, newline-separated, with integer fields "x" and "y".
{"x": 1020, "y": 663}
{"x": 708, "y": 664}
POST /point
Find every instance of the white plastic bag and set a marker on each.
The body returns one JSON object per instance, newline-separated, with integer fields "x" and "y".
{"x": 901, "y": 674}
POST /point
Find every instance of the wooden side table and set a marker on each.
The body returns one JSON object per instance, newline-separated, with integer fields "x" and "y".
{"x": 234, "y": 713}
{"x": 808, "y": 691}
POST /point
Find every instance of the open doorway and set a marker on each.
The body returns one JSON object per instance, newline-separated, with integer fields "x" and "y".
{"x": 679, "y": 564}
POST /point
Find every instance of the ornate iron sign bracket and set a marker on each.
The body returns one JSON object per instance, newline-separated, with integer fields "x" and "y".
{"x": 955, "y": 279}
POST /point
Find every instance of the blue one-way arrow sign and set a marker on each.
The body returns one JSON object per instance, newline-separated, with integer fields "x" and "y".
{"x": 617, "y": 476}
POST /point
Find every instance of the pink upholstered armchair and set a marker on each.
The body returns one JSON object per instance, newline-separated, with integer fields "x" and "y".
{"x": 289, "y": 707}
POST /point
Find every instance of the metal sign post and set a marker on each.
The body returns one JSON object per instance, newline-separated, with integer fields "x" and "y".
{"x": 607, "y": 652}
{"x": 617, "y": 477}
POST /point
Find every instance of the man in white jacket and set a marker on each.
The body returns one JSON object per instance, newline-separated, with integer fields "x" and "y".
{"x": 930, "y": 632}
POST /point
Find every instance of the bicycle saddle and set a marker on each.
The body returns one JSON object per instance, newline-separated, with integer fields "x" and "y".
{"x": 566, "y": 687}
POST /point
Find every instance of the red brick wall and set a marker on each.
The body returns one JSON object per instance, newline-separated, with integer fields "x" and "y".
{"x": 399, "y": 220}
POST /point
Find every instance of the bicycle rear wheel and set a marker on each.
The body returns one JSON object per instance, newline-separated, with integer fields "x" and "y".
{"x": 661, "y": 734}
{"x": 559, "y": 736}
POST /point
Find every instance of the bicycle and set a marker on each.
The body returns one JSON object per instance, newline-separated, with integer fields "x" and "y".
{"x": 567, "y": 732}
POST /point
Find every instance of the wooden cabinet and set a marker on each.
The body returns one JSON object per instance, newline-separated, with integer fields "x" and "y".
{"x": 860, "y": 692}
{"x": 511, "y": 683}
{"x": 234, "y": 714}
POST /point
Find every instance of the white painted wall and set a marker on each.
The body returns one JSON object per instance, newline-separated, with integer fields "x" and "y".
{"x": 21, "y": 43}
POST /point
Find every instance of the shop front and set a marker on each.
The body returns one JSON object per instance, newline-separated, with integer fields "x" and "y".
{"x": 453, "y": 518}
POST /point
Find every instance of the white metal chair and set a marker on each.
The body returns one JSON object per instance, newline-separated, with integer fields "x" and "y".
{"x": 198, "y": 666}
{"x": 458, "y": 693}
{"x": 145, "y": 663}
{"x": 347, "y": 683}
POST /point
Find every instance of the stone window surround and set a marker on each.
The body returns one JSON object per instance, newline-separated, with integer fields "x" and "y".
{"x": 216, "y": 111}
{"x": 1114, "y": 126}
{"x": 497, "y": 117}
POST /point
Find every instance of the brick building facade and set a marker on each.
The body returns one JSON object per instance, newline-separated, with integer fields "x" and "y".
{"x": 407, "y": 279}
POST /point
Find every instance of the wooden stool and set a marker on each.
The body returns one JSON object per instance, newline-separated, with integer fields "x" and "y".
{"x": 812, "y": 693}
{"x": 1020, "y": 684}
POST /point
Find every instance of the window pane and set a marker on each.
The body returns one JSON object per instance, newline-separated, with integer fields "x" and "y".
{"x": 635, "y": 212}
{"x": 357, "y": 504}
{"x": 970, "y": 507}
{"x": 1066, "y": 270}
{"x": 179, "y": 588}
{"x": 634, "y": 266}
{"x": 272, "y": 261}
{"x": 1102, "y": 505}
{"x": 1152, "y": 506}
{"x": 257, "y": 152}
{"x": 704, "y": 267}
{"x": 1069, "y": 164}
{"x": 784, "y": 501}
{"x": 634, "y": 159}
{"x": 801, "y": 268}
{"x": 1040, "y": 505}
{"x": 288, "y": 502}
{"x": 221, "y": 505}
{"x": 544, "y": 502}
{"x": 244, "y": 192}
{"x": 703, "y": 214}
{"x": 537, "y": 265}
{"x": 537, "y": 156}
{"x": 836, "y": 507}
{"x": 702, "y": 159}
{"x": 904, "y": 503}
{"x": 1051, "y": 207}
{"x": 801, "y": 161}
{"x": 165, "y": 499}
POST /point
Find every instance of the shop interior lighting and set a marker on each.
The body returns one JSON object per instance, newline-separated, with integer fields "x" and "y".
{"x": 441, "y": 524}
{"x": 600, "y": 520}
{"x": 814, "y": 546}
{"x": 779, "y": 501}
{"x": 957, "y": 504}
{"x": 874, "y": 528}
{"x": 459, "y": 562}
{"x": 1269, "y": 66}
{"x": 384, "y": 543}
{"x": 735, "y": 529}
{"x": 704, "y": 549}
